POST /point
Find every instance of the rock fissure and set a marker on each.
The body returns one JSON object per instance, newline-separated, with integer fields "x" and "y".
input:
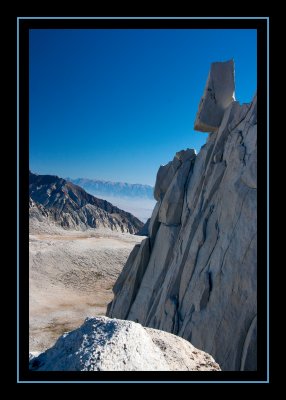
{"x": 232, "y": 233}
{"x": 200, "y": 280}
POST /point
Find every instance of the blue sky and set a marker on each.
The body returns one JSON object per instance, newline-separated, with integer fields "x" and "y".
{"x": 116, "y": 104}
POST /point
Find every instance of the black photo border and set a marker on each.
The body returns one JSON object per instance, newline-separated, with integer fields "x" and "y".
{"x": 24, "y": 24}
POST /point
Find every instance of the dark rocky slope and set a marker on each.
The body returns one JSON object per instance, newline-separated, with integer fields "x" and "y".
{"x": 71, "y": 207}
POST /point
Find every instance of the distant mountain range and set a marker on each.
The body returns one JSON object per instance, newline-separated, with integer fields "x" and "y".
{"x": 71, "y": 207}
{"x": 114, "y": 189}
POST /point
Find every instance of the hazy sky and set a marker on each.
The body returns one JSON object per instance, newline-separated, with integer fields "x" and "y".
{"x": 115, "y": 104}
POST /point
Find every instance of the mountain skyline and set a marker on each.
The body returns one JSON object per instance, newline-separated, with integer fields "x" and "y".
{"x": 134, "y": 198}
{"x": 87, "y": 181}
{"x": 116, "y": 189}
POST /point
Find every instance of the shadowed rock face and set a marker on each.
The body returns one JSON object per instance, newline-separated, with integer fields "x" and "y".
{"x": 218, "y": 95}
{"x": 103, "y": 344}
{"x": 71, "y": 207}
{"x": 199, "y": 277}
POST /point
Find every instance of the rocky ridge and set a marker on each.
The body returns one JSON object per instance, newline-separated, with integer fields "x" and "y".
{"x": 64, "y": 204}
{"x": 195, "y": 274}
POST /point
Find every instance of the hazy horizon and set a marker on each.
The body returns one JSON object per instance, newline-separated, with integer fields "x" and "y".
{"x": 92, "y": 179}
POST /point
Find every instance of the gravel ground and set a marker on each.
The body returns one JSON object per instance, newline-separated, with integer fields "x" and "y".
{"x": 71, "y": 277}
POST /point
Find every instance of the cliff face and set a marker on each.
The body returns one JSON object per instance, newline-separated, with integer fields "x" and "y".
{"x": 195, "y": 274}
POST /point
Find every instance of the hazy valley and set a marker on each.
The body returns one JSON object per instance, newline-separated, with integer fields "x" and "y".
{"x": 71, "y": 277}
{"x": 135, "y": 198}
{"x": 78, "y": 246}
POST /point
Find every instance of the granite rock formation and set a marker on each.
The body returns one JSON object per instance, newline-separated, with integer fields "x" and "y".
{"x": 195, "y": 274}
{"x": 103, "y": 344}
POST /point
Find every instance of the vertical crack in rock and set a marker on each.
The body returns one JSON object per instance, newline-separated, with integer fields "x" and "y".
{"x": 233, "y": 231}
{"x": 247, "y": 349}
{"x": 199, "y": 276}
{"x": 130, "y": 279}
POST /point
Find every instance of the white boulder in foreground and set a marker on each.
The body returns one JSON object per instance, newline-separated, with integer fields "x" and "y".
{"x": 104, "y": 344}
{"x": 218, "y": 95}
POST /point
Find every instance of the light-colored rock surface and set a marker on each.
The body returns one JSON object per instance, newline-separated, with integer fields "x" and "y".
{"x": 200, "y": 281}
{"x": 154, "y": 223}
{"x": 103, "y": 344}
{"x": 171, "y": 208}
{"x": 218, "y": 95}
{"x": 164, "y": 177}
{"x": 160, "y": 256}
{"x": 139, "y": 258}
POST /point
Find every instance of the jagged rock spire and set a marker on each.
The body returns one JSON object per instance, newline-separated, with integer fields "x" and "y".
{"x": 195, "y": 275}
{"x": 218, "y": 95}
